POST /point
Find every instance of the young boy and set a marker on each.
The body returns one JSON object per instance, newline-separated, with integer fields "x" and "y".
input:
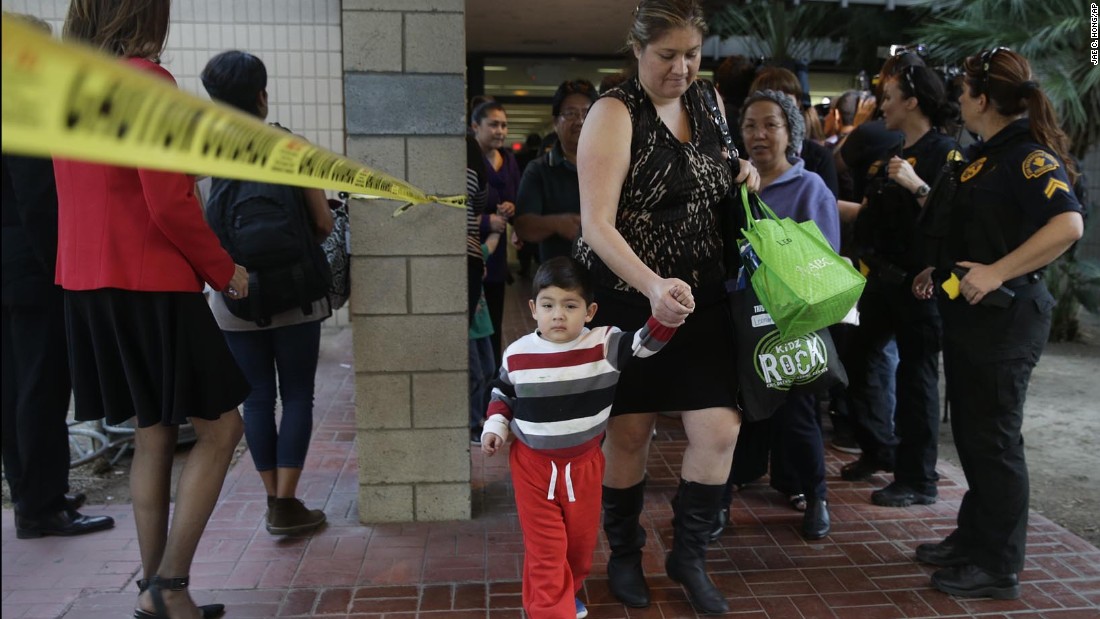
{"x": 554, "y": 394}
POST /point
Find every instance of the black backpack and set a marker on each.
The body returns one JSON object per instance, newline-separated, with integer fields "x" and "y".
{"x": 266, "y": 228}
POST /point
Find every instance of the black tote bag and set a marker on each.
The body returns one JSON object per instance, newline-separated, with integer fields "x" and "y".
{"x": 770, "y": 366}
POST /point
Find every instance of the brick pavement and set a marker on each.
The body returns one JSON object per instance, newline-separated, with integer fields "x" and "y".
{"x": 467, "y": 570}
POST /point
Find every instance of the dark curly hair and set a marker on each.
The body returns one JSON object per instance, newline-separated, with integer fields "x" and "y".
{"x": 572, "y": 87}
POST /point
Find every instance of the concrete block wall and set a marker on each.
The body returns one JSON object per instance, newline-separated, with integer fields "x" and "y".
{"x": 404, "y": 67}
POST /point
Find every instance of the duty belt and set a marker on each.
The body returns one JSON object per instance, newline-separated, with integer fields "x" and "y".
{"x": 872, "y": 265}
{"x": 1024, "y": 280}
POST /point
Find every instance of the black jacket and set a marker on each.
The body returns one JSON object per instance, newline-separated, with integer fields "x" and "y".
{"x": 819, "y": 160}
{"x": 30, "y": 231}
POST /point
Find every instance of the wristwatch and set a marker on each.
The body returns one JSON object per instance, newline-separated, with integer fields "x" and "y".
{"x": 922, "y": 191}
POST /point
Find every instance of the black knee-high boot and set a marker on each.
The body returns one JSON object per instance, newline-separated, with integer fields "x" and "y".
{"x": 695, "y": 509}
{"x": 626, "y": 537}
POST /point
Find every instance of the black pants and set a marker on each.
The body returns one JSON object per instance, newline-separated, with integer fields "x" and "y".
{"x": 798, "y": 465}
{"x": 36, "y": 391}
{"x": 842, "y": 335}
{"x": 988, "y": 358}
{"x": 909, "y": 440}
{"x": 987, "y": 406}
{"x": 790, "y": 442}
{"x": 494, "y": 302}
{"x": 750, "y": 456}
{"x": 528, "y": 254}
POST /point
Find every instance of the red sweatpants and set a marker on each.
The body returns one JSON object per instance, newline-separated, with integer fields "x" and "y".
{"x": 560, "y": 516}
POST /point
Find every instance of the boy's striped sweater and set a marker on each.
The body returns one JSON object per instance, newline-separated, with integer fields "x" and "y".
{"x": 557, "y": 397}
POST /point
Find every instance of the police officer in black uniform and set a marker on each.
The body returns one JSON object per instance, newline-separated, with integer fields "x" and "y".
{"x": 868, "y": 143}
{"x": 1013, "y": 213}
{"x": 890, "y": 249}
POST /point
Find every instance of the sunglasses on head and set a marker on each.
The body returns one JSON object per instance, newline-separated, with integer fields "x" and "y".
{"x": 908, "y": 73}
{"x": 986, "y": 60}
{"x": 901, "y": 50}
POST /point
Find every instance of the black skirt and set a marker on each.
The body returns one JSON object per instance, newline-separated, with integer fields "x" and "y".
{"x": 695, "y": 370}
{"x": 158, "y": 356}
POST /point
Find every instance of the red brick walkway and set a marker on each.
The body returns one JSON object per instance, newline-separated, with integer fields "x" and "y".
{"x": 466, "y": 570}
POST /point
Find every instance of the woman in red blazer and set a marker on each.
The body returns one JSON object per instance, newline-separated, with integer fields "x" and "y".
{"x": 133, "y": 253}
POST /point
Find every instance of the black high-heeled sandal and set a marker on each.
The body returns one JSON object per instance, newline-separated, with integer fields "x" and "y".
{"x": 209, "y": 611}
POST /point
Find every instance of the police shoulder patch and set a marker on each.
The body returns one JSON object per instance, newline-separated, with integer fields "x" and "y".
{"x": 972, "y": 170}
{"x": 1038, "y": 163}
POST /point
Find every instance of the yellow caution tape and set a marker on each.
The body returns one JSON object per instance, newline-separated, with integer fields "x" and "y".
{"x": 71, "y": 101}
{"x": 951, "y": 286}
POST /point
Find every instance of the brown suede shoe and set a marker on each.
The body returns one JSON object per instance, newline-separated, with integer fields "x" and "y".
{"x": 290, "y": 516}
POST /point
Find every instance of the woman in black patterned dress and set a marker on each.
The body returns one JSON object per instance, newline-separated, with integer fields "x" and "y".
{"x": 652, "y": 171}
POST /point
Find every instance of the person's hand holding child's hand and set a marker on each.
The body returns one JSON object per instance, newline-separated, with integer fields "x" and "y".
{"x": 490, "y": 443}
{"x": 683, "y": 295}
{"x": 666, "y": 305}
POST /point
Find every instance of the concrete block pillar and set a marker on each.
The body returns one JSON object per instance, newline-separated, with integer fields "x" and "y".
{"x": 404, "y": 92}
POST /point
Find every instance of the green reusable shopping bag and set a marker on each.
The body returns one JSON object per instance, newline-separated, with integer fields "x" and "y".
{"x": 801, "y": 281}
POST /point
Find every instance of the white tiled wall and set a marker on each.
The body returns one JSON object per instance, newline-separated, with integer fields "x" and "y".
{"x": 298, "y": 40}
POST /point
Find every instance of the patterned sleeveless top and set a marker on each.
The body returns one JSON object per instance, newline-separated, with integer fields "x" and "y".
{"x": 668, "y": 208}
